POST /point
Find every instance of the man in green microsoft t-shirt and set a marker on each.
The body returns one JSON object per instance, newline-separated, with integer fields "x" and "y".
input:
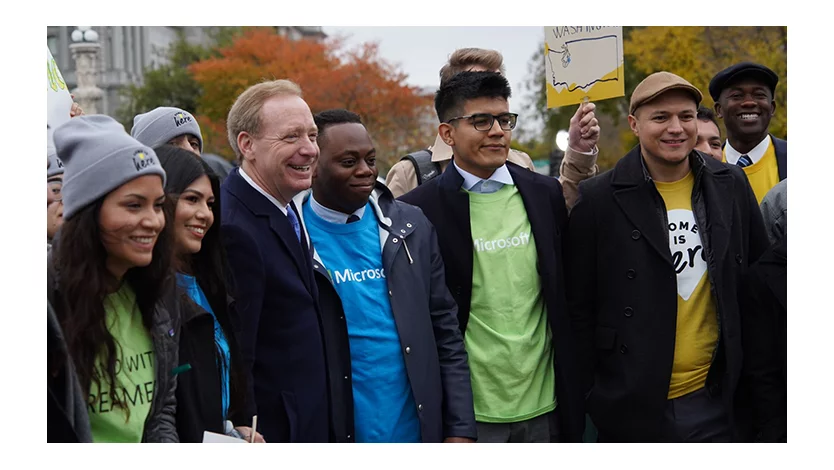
{"x": 500, "y": 229}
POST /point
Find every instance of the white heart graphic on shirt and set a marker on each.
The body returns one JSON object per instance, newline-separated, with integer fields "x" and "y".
{"x": 687, "y": 251}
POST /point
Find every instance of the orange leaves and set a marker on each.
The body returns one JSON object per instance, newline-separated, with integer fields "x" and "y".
{"x": 330, "y": 77}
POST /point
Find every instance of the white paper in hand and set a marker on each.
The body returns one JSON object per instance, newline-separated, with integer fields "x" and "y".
{"x": 214, "y": 438}
{"x": 58, "y": 99}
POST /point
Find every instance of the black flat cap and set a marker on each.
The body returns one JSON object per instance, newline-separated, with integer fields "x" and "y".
{"x": 722, "y": 78}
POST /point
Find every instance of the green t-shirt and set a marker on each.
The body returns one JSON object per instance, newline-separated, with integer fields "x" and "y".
{"x": 507, "y": 338}
{"x": 135, "y": 376}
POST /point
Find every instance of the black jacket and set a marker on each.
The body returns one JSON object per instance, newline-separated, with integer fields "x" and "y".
{"x": 622, "y": 287}
{"x": 199, "y": 394}
{"x": 447, "y": 207}
{"x": 426, "y": 318}
{"x": 66, "y": 404}
{"x": 765, "y": 335}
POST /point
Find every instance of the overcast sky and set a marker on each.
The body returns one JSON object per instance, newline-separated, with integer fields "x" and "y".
{"x": 422, "y": 50}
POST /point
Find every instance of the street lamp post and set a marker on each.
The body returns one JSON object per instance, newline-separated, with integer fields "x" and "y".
{"x": 562, "y": 140}
{"x": 86, "y": 52}
{"x": 558, "y": 153}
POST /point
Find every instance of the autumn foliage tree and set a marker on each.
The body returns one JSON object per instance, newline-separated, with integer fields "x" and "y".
{"x": 169, "y": 83}
{"x": 398, "y": 117}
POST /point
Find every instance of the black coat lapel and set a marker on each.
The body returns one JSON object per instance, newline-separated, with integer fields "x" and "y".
{"x": 637, "y": 198}
{"x": 781, "y": 148}
{"x": 456, "y": 227}
{"x": 278, "y": 222}
{"x": 537, "y": 204}
{"x": 715, "y": 188}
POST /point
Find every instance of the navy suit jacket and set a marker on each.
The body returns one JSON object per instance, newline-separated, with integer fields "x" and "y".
{"x": 781, "y": 148}
{"x": 275, "y": 293}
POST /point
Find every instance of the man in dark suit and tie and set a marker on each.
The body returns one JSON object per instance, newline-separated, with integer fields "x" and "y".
{"x": 744, "y": 96}
{"x": 272, "y": 132}
{"x": 499, "y": 227}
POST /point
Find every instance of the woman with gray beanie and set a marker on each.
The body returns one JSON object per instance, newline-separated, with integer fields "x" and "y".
{"x": 167, "y": 125}
{"x": 54, "y": 181}
{"x": 112, "y": 282}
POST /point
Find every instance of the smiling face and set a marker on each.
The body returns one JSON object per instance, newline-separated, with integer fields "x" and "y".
{"x": 746, "y": 105}
{"x": 346, "y": 172}
{"x": 282, "y": 157}
{"x": 479, "y": 152}
{"x": 194, "y": 216}
{"x": 667, "y": 127}
{"x": 130, "y": 221}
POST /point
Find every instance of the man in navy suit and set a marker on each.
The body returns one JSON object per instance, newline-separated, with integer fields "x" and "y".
{"x": 272, "y": 132}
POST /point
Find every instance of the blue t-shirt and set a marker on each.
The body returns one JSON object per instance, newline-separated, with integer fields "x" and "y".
{"x": 189, "y": 283}
{"x": 383, "y": 404}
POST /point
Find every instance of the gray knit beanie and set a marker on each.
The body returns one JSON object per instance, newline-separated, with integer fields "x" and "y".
{"x": 99, "y": 157}
{"x": 54, "y": 164}
{"x": 158, "y": 126}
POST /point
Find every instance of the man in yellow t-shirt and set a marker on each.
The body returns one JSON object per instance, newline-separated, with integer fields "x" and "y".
{"x": 744, "y": 99}
{"x": 654, "y": 249}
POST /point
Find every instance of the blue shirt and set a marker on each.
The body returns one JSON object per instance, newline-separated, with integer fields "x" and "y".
{"x": 383, "y": 404}
{"x": 189, "y": 283}
{"x": 496, "y": 180}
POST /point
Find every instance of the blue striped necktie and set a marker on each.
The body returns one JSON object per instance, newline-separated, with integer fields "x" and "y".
{"x": 294, "y": 222}
{"x": 744, "y": 161}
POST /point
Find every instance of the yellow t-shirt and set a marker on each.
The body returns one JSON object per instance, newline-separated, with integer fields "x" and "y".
{"x": 696, "y": 334}
{"x": 764, "y": 174}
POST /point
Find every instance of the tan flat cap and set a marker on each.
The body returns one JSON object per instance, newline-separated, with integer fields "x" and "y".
{"x": 658, "y": 83}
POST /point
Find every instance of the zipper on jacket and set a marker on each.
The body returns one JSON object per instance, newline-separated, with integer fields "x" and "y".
{"x": 705, "y": 240}
{"x": 158, "y": 393}
{"x": 410, "y": 261}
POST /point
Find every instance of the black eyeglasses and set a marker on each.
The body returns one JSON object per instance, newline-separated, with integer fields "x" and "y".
{"x": 483, "y": 122}
{"x": 56, "y": 186}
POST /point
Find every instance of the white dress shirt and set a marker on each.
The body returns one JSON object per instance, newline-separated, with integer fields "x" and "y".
{"x": 277, "y": 203}
{"x": 755, "y": 155}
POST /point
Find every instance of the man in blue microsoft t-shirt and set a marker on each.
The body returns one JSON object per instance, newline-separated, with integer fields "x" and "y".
{"x": 388, "y": 320}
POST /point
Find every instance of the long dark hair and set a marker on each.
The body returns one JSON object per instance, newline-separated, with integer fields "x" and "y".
{"x": 83, "y": 284}
{"x": 209, "y": 265}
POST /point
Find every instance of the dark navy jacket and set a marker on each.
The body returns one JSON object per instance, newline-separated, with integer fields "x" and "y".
{"x": 277, "y": 315}
{"x": 781, "y": 148}
{"x": 426, "y": 317}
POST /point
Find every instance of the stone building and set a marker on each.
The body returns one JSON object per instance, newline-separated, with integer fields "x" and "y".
{"x": 126, "y": 51}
